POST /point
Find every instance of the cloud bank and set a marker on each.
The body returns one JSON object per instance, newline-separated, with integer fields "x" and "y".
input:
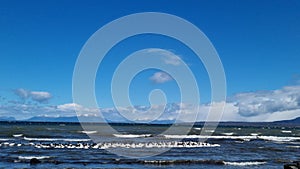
{"x": 271, "y": 105}
{"x": 274, "y": 105}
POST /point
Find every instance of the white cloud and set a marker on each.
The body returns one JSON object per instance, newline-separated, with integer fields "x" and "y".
{"x": 22, "y": 93}
{"x": 79, "y": 109}
{"x": 169, "y": 57}
{"x": 160, "y": 77}
{"x": 258, "y": 103}
{"x": 23, "y": 111}
{"x": 274, "y": 105}
{"x": 39, "y": 96}
{"x": 69, "y": 107}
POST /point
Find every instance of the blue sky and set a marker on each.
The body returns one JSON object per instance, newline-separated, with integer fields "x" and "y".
{"x": 258, "y": 43}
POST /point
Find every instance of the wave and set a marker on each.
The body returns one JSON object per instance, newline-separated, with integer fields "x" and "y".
{"x": 247, "y": 163}
{"x": 279, "y": 139}
{"x": 127, "y": 145}
{"x": 215, "y": 162}
{"x": 57, "y": 139}
{"x": 172, "y": 162}
{"x": 31, "y": 157}
{"x": 17, "y": 135}
{"x": 293, "y": 147}
{"x": 286, "y": 131}
{"x": 7, "y": 144}
{"x": 4, "y": 139}
{"x": 209, "y": 137}
{"x": 132, "y": 135}
{"x": 88, "y": 132}
{"x": 209, "y": 131}
{"x": 255, "y": 134}
{"x": 228, "y": 134}
{"x": 48, "y": 128}
{"x": 246, "y": 138}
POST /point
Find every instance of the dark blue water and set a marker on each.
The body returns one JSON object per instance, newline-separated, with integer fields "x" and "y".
{"x": 68, "y": 146}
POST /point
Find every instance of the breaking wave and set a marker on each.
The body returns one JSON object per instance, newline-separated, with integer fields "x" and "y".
{"x": 215, "y": 162}
{"x": 247, "y": 163}
{"x": 31, "y": 157}
{"x": 17, "y": 135}
{"x": 88, "y": 132}
{"x": 132, "y": 135}
{"x": 188, "y": 144}
{"x": 267, "y": 138}
{"x": 57, "y": 139}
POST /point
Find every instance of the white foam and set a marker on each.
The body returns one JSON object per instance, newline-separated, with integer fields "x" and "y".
{"x": 31, "y": 157}
{"x": 255, "y": 134}
{"x": 286, "y": 131}
{"x": 246, "y": 138}
{"x": 88, "y": 132}
{"x": 17, "y": 135}
{"x": 7, "y": 144}
{"x": 131, "y": 135}
{"x": 209, "y": 137}
{"x": 128, "y": 145}
{"x": 57, "y": 139}
{"x": 228, "y": 134}
{"x": 197, "y": 128}
{"x": 279, "y": 139}
{"x": 245, "y": 163}
{"x": 293, "y": 146}
{"x": 4, "y": 139}
{"x": 209, "y": 131}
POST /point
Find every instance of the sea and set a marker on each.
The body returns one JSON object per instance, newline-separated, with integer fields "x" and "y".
{"x": 68, "y": 145}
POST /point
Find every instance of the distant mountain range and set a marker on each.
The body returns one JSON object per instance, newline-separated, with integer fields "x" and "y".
{"x": 3, "y": 118}
{"x": 61, "y": 119}
{"x": 294, "y": 121}
{"x": 85, "y": 119}
{"x": 74, "y": 119}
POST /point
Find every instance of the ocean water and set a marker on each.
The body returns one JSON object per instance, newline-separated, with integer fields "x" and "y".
{"x": 68, "y": 146}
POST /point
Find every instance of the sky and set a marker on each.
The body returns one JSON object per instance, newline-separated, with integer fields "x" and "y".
{"x": 258, "y": 43}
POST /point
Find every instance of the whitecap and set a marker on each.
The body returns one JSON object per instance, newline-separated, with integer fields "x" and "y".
{"x": 209, "y": 131}
{"x": 246, "y": 138}
{"x": 5, "y": 144}
{"x": 209, "y": 137}
{"x": 247, "y": 163}
{"x": 286, "y": 131}
{"x": 279, "y": 139}
{"x": 17, "y": 135}
{"x": 255, "y": 134}
{"x": 129, "y": 145}
{"x": 88, "y": 132}
{"x": 131, "y": 135}
{"x": 293, "y": 147}
{"x": 31, "y": 157}
{"x": 57, "y": 139}
{"x": 228, "y": 134}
